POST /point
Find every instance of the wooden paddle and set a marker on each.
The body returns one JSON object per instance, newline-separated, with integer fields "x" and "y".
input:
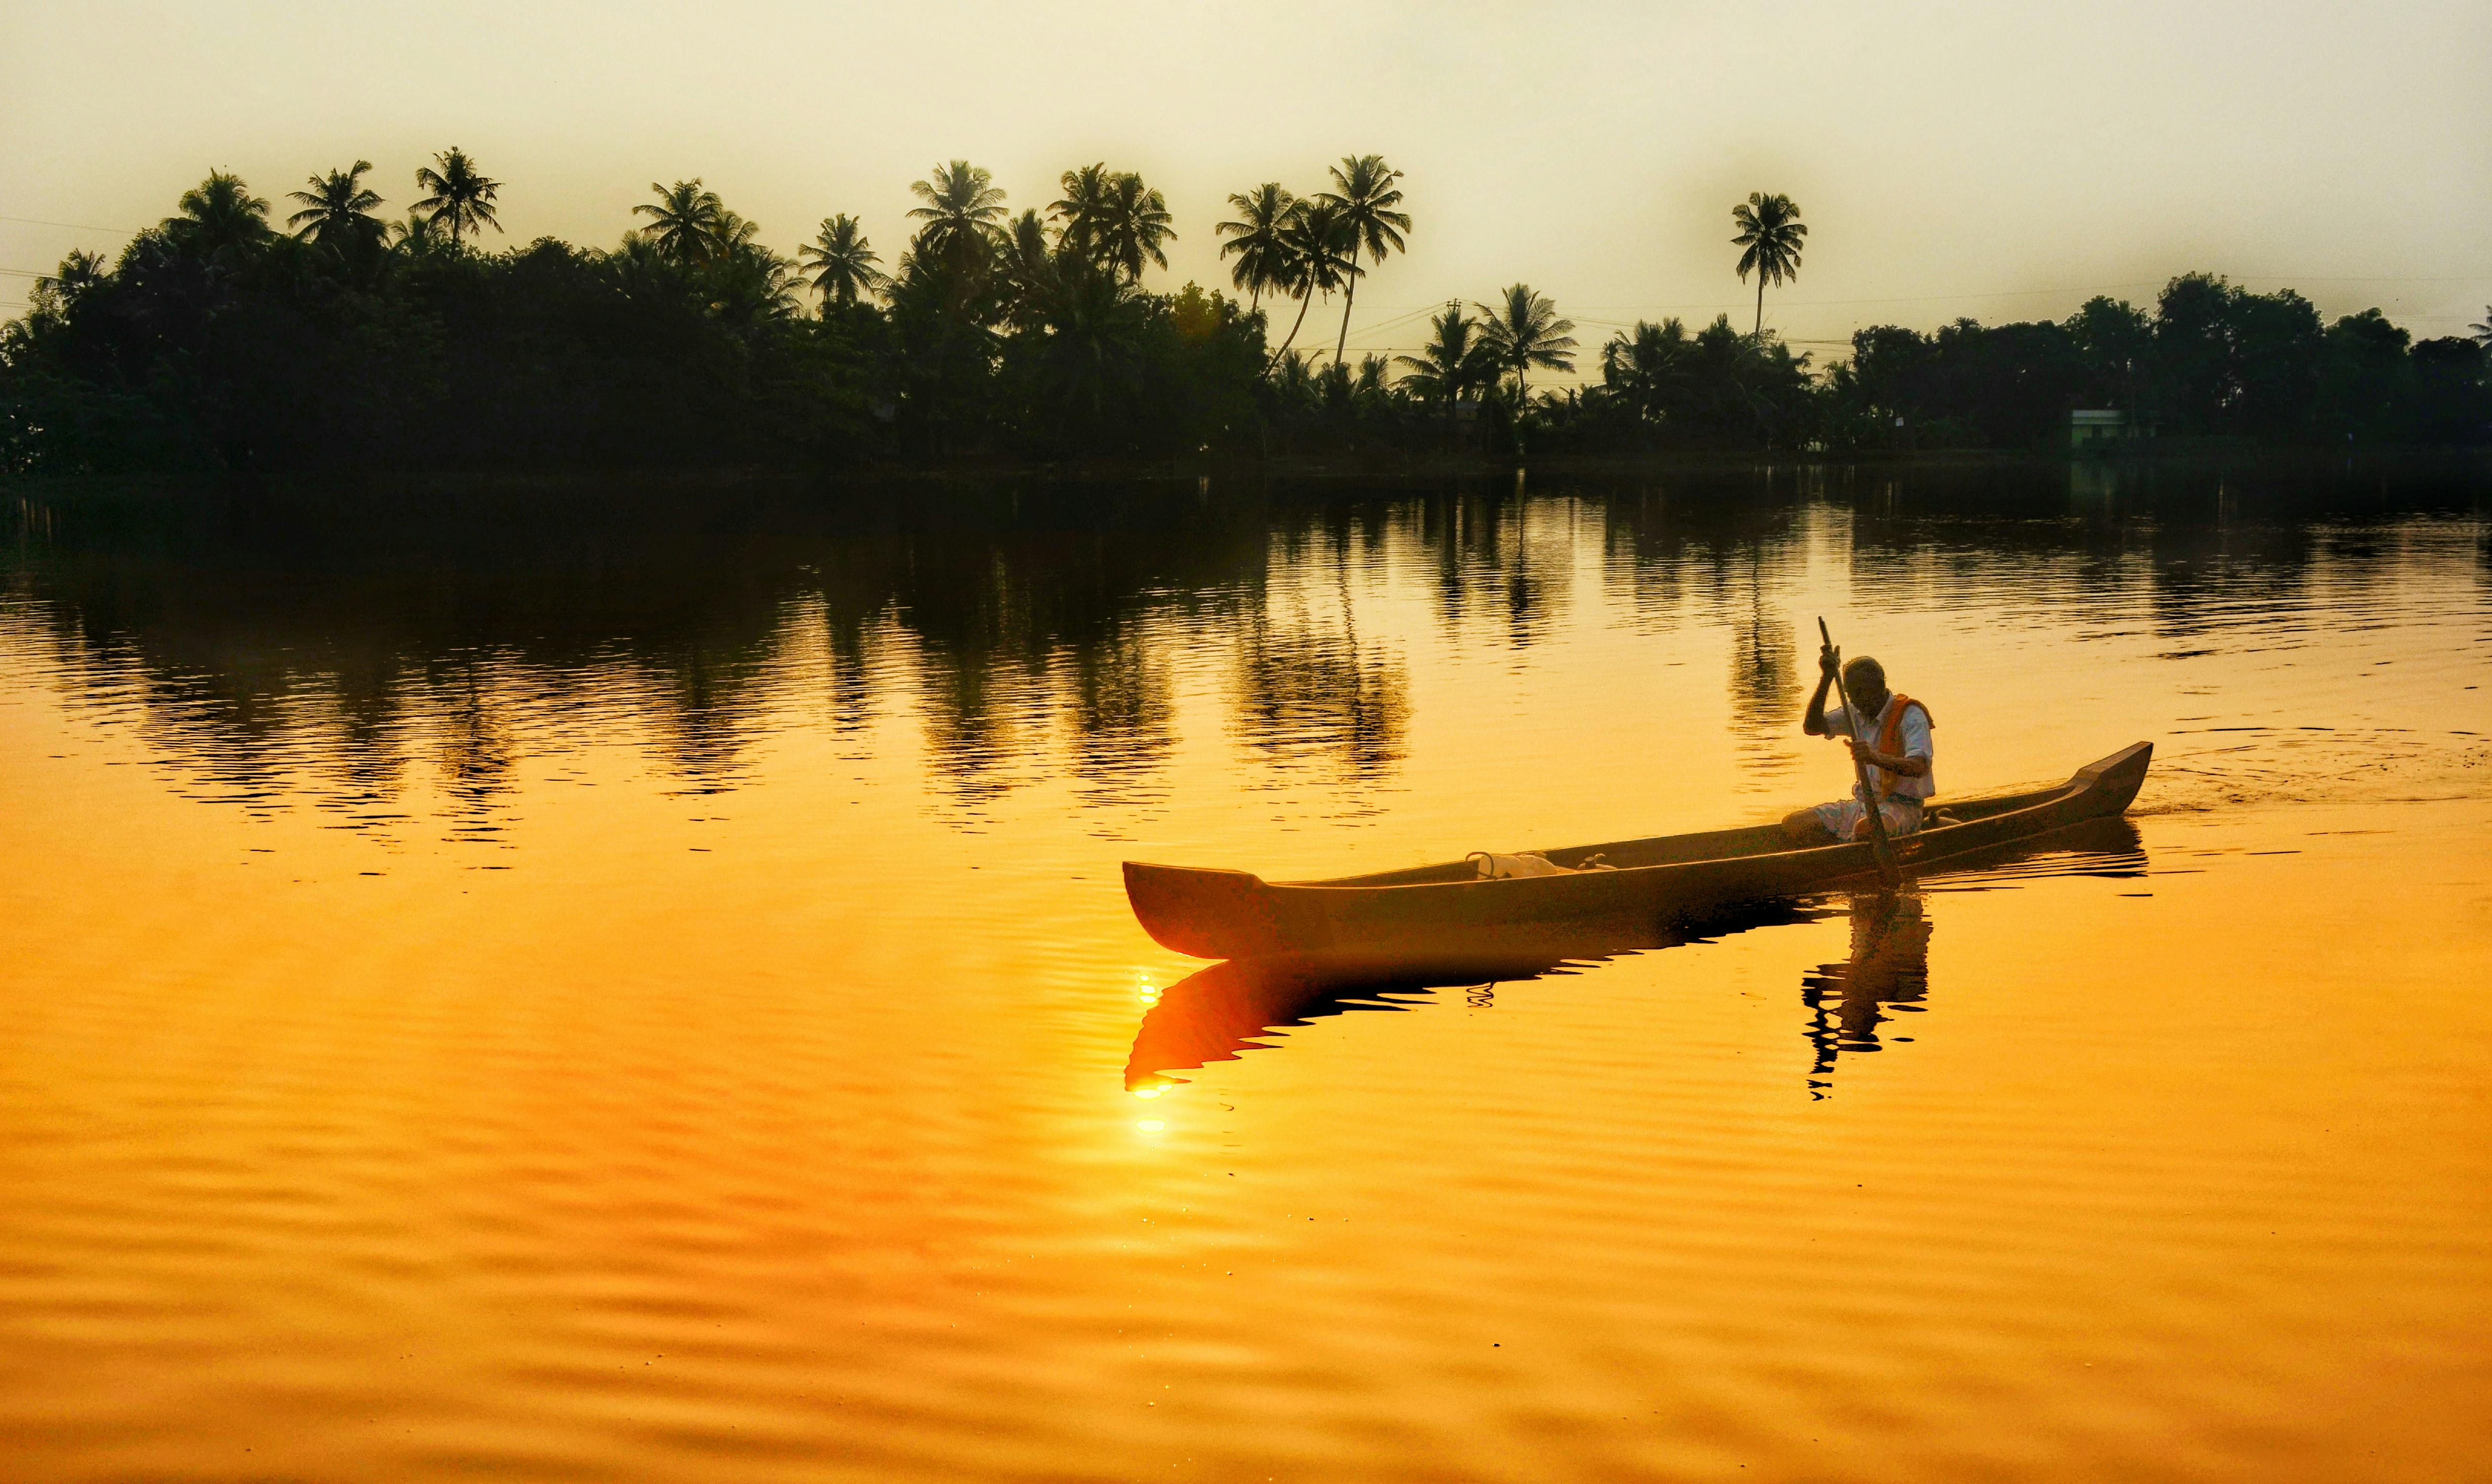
{"x": 1881, "y": 848}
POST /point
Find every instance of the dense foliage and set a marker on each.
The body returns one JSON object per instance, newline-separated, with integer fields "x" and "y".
{"x": 2211, "y": 359}
{"x": 218, "y": 341}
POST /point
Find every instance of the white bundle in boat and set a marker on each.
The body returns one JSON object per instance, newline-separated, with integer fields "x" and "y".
{"x": 1492, "y": 867}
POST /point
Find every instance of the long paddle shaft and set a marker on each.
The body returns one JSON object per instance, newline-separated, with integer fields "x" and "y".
{"x": 1880, "y": 847}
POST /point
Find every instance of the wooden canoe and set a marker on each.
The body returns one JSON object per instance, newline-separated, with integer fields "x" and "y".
{"x": 1233, "y": 914}
{"x": 1223, "y": 1010}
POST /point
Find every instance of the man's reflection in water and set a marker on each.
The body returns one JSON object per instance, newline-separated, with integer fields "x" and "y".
{"x": 1889, "y": 968}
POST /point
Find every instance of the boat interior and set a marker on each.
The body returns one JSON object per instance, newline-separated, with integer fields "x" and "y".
{"x": 1711, "y": 845}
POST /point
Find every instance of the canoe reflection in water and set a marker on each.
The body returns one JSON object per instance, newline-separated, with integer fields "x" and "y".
{"x": 1230, "y": 1008}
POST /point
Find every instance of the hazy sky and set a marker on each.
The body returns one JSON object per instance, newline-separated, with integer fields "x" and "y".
{"x": 1995, "y": 160}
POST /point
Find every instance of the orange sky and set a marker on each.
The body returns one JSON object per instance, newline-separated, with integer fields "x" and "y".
{"x": 1997, "y": 160}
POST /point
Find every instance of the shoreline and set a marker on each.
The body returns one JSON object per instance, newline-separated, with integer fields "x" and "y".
{"x": 154, "y": 488}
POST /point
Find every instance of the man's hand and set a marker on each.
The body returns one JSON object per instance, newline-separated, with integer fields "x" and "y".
{"x": 1908, "y": 767}
{"x": 1814, "y": 723}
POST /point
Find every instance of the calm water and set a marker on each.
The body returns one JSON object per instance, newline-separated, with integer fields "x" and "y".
{"x": 590, "y": 997}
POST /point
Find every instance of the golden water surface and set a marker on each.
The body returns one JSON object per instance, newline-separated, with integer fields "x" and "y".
{"x": 642, "y": 991}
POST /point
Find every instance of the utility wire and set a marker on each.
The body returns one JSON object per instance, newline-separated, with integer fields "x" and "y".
{"x": 82, "y": 226}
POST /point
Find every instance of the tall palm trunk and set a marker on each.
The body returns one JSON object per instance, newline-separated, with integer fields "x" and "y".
{"x": 1308, "y": 299}
{"x": 1759, "y": 331}
{"x": 1348, "y": 297}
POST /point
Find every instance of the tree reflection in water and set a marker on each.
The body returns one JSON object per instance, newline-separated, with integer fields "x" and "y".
{"x": 351, "y": 647}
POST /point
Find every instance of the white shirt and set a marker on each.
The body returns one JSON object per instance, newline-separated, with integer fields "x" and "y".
{"x": 1917, "y": 744}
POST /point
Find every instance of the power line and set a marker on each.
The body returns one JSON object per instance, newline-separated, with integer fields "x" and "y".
{"x": 82, "y": 226}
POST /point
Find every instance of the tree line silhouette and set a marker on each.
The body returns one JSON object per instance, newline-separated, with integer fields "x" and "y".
{"x": 218, "y": 340}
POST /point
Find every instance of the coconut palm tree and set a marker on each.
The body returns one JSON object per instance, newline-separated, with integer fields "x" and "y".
{"x": 1647, "y": 368}
{"x": 962, "y": 213}
{"x": 749, "y": 284}
{"x": 842, "y": 262}
{"x": 1364, "y": 192}
{"x": 1089, "y": 355}
{"x": 1255, "y": 239}
{"x": 1086, "y": 208}
{"x": 216, "y": 214}
{"x": 337, "y": 210}
{"x": 1137, "y": 223}
{"x": 417, "y": 233}
{"x": 66, "y": 284}
{"x": 1523, "y": 331}
{"x": 460, "y": 198}
{"x": 1322, "y": 258}
{"x": 1370, "y": 385}
{"x": 733, "y": 234}
{"x": 683, "y": 225}
{"x": 1772, "y": 232}
{"x": 78, "y": 273}
{"x": 1030, "y": 267}
{"x": 1455, "y": 362}
{"x": 2483, "y": 331}
{"x": 1293, "y": 381}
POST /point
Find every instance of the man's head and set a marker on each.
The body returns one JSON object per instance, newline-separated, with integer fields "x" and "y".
{"x": 1865, "y": 680}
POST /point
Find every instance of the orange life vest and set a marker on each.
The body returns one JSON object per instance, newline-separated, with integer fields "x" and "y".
{"x": 1890, "y": 740}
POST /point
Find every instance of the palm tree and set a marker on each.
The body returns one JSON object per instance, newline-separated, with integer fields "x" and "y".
{"x": 1770, "y": 229}
{"x": 61, "y": 290}
{"x": 417, "y": 234}
{"x": 1137, "y": 222}
{"x": 683, "y": 225}
{"x": 218, "y": 214}
{"x": 732, "y": 234}
{"x": 1257, "y": 238}
{"x": 1455, "y": 361}
{"x": 1085, "y": 209}
{"x": 461, "y": 198}
{"x": 843, "y": 263}
{"x": 1322, "y": 258}
{"x": 79, "y": 272}
{"x": 1369, "y": 387}
{"x": 2483, "y": 331}
{"x": 750, "y": 284}
{"x": 1524, "y": 331}
{"x": 1647, "y": 368}
{"x": 1031, "y": 266}
{"x": 1090, "y": 355}
{"x": 337, "y": 210}
{"x": 962, "y": 212}
{"x": 1110, "y": 217}
{"x": 1293, "y": 381}
{"x": 1364, "y": 192}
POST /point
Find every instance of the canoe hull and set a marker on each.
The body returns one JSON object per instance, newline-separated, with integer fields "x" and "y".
{"x": 1233, "y": 914}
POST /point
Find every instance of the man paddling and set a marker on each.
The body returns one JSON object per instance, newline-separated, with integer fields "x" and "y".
{"x": 1897, "y": 753}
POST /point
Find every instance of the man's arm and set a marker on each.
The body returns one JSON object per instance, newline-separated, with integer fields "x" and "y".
{"x": 1903, "y": 768}
{"x": 1814, "y": 724}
